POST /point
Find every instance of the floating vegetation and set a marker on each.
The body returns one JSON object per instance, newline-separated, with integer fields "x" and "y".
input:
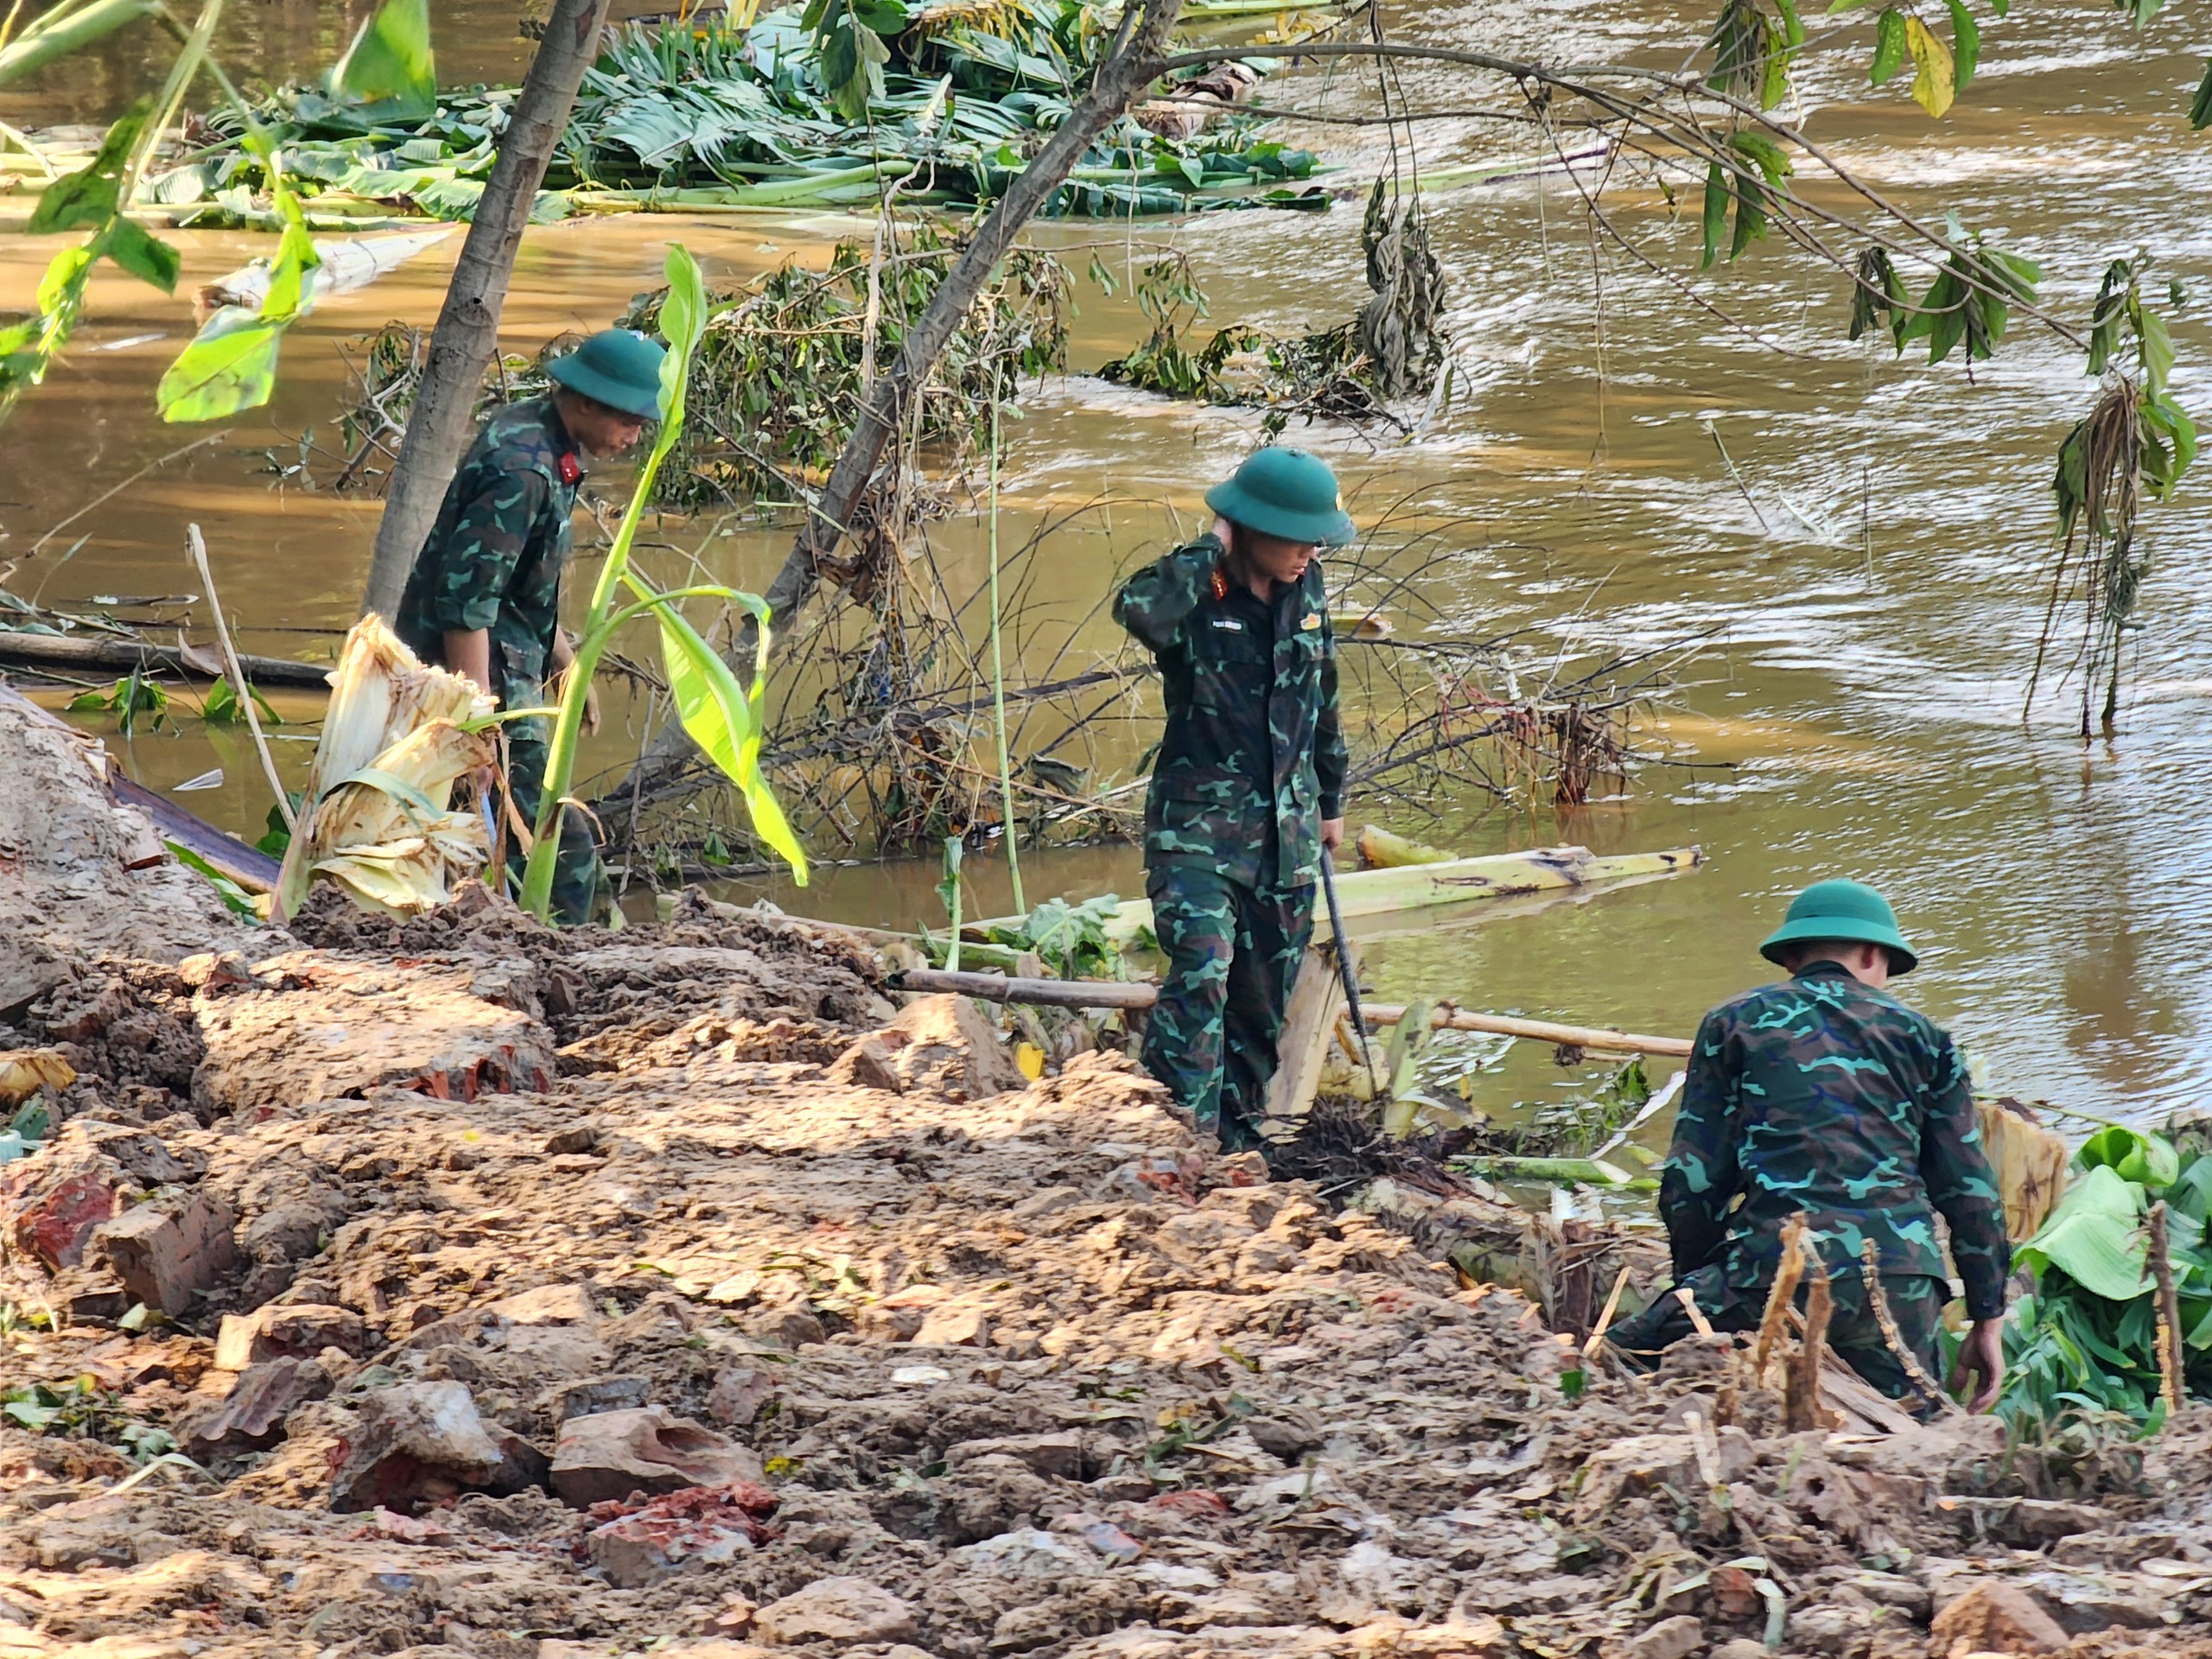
{"x": 954, "y": 101}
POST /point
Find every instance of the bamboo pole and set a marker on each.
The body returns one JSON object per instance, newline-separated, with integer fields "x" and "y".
{"x": 998, "y": 680}
{"x": 1114, "y": 994}
{"x": 240, "y": 687}
{"x": 1446, "y": 1018}
{"x": 64, "y": 651}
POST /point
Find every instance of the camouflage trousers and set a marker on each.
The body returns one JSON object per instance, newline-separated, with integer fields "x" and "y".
{"x": 581, "y": 893}
{"x": 1916, "y": 1301}
{"x": 1232, "y": 957}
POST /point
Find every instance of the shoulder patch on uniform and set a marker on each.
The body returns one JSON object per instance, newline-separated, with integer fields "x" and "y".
{"x": 1228, "y": 624}
{"x": 1312, "y": 622}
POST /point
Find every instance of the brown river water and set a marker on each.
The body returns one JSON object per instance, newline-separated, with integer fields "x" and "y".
{"x": 1875, "y": 569}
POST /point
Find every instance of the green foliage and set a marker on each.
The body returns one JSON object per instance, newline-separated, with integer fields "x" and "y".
{"x": 221, "y": 707}
{"x": 851, "y": 45}
{"x": 89, "y": 198}
{"x": 1752, "y": 46}
{"x": 389, "y": 70}
{"x": 1969, "y": 301}
{"x": 2085, "y": 1341}
{"x": 68, "y": 27}
{"x": 236, "y": 899}
{"x": 948, "y": 893}
{"x": 2125, "y": 333}
{"x": 231, "y": 364}
{"x": 132, "y": 701}
{"x": 777, "y": 387}
{"x": 722, "y": 718}
{"x": 80, "y": 1409}
{"x": 2199, "y": 106}
{"x": 1071, "y": 939}
{"x": 277, "y": 835}
{"x": 812, "y": 108}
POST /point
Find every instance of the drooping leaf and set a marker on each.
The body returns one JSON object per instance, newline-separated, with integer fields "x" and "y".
{"x": 1769, "y": 157}
{"x": 1716, "y": 213}
{"x": 725, "y": 723}
{"x": 1934, "y": 81}
{"x": 2199, "y": 107}
{"x": 218, "y": 377}
{"x": 88, "y": 196}
{"x": 2096, "y": 1236}
{"x": 1751, "y": 213}
{"x": 144, "y": 255}
{"x": 1888, "y": 47}
{"x": 1966, "y": 43}
{"x": 389, "y": 67}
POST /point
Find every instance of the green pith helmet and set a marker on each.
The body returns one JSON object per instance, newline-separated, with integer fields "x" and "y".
{"x": 1285, "y": 493}
{"x": 617, "y": 368}
{"x": 1842, "y": 909}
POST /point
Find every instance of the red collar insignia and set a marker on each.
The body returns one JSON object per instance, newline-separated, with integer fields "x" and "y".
{"x": 572, "y": 470}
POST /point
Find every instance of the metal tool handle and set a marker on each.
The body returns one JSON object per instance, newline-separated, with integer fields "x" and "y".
{"x": 1345, "y": 972}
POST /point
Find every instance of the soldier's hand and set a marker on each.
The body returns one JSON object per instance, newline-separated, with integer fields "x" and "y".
{"x": 1332, "y": 833}
{"x": 1981, "y": 1356}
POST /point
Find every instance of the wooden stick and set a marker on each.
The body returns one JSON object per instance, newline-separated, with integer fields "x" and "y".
{"x": 1801, "y": 1398}
{"x": 1447, "y": 1018}
{"x": 1877, "y": 1299}
{"x": 240, "y": 687}
{"x": 1047, "y": 992}
{"x": 63, "y": 650}
{"x": 1605, "y": 1318}
{"x": 1787, "y": 1274}
{"x": 2169, "y": 1339}
{"x": 1687, "y": 1298}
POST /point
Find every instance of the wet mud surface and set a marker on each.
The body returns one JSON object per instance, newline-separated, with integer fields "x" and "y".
{"x": 538, "y": 1296}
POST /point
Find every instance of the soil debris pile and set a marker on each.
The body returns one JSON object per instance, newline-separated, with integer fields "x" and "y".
{"x": 774, "y": 1319}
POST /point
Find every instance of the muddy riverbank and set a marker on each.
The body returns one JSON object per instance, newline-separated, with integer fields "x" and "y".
{"x": 1878, "y": 589}
{"x": 536, "y": 1296}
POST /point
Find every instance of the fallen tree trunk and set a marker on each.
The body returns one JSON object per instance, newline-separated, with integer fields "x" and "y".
{"x": 468, "y": 325}
{"x": 67, "y": 651}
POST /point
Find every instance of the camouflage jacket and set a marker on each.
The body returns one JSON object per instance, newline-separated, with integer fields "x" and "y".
{"x": 1818, "y": 1094}
{"x": 1253, "y": 758}
{"x": 495, "y": 558}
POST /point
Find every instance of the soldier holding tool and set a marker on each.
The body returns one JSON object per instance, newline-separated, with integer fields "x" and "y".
{"x": 1824, "y": 1094}
{"x": 1247, "y": 789}
{"x": 485, "y": 596}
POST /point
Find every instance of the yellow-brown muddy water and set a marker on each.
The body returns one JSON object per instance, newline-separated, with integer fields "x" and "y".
{"x": 1878, "y": 594}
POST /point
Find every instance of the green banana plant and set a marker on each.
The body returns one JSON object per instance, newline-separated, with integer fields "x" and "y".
{"x": 723, "y": 717}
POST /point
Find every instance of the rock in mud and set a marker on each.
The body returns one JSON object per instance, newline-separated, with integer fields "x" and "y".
{"x": 424, "y": 1441}
{"x": 252, "y": 1415}
{"x": 943, "y": 1045}
{"x": 301, "y": 1330}
{"x": 338, "y": 1027}
{"x": 739, "y": 1393}
{"x": 843, "y": 1611}
{"x": 1993, "y": 1617}
{"x": 610, "y": 1455}
{"x": 51, "y": 1205}
{"x": 698, "y": 1527}
{"x": 169, "y": 1251}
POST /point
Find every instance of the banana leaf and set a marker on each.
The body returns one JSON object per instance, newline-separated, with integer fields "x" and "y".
{"x": 2096, "y": 1236}
{"x": 2149, "y": 1160}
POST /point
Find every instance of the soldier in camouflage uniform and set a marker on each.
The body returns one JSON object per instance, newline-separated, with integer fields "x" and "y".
{"x": 1249, "y": 785}
{"x": 484, "y": 598}
{"x": 1824, "y": 1095}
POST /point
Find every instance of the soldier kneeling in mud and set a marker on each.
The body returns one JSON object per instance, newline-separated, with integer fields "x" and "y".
{"x": 1824, "y": 1095}
{"x": 1248, "y": 787}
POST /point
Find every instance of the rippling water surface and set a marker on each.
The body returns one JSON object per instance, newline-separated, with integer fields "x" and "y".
{"x": 1876, "y": 568}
